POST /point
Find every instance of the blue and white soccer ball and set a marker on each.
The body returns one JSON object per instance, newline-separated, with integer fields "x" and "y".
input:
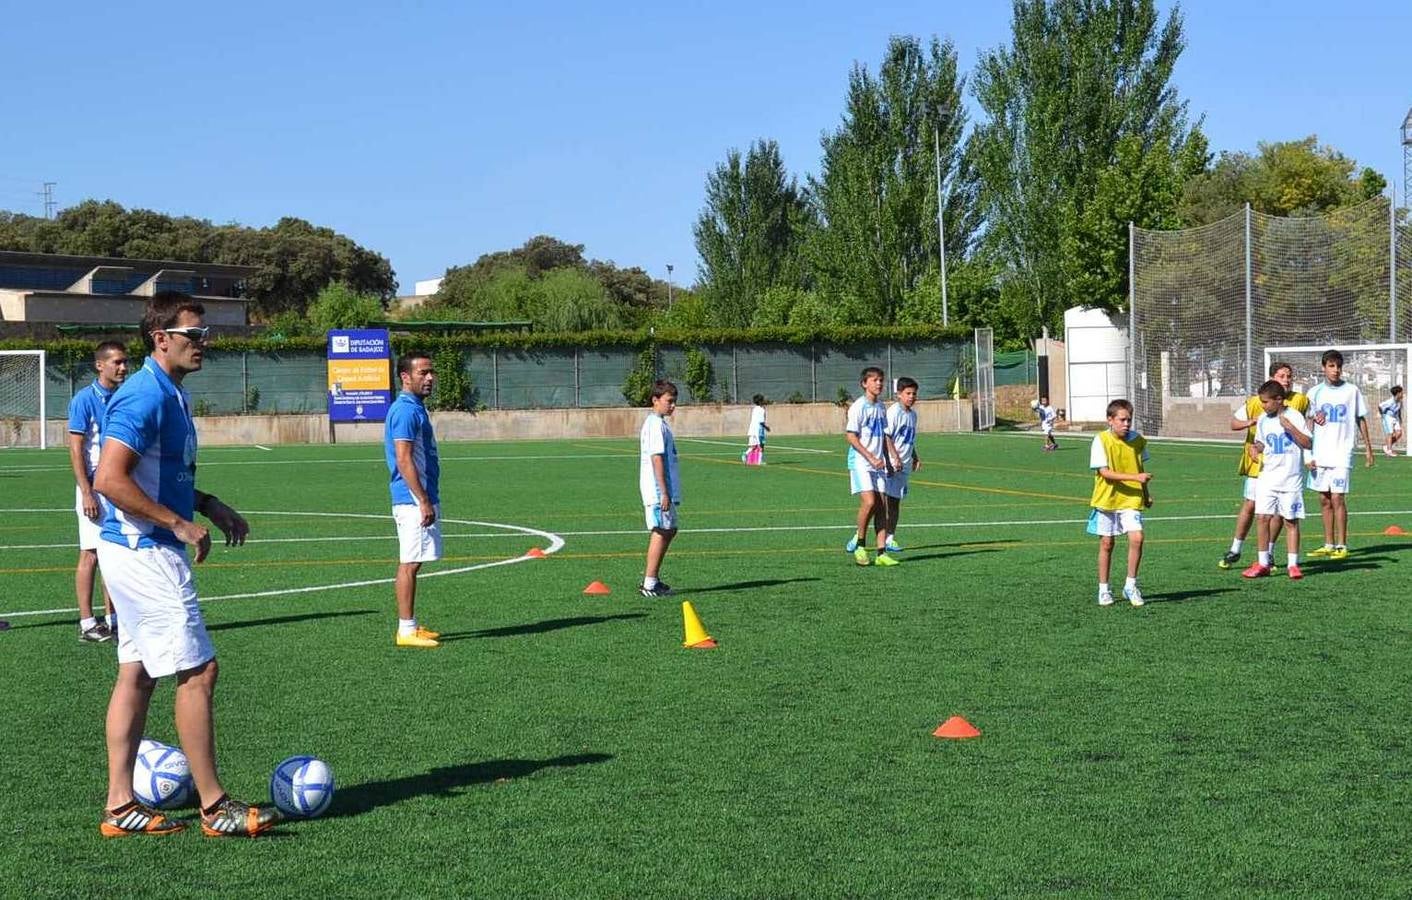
{"x": 161, "y": 776}
{"x": 302, "y": 786}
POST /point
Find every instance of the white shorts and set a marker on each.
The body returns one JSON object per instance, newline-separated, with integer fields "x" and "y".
{"x": 1287, "y": 505}
{"x": 1391, "y": 426}
{"x": 1247, "y": 488}
{"x": 657, "y": 520}
{"x": 88, "y": 530}
{"x": 896, "y": 485}
{"x": 154, "y": 597}
{"x": 1330, "y": 479}
{"x": 1106, "y": 523}
{"x": 863, "y": 479}
{"x": 416, "y": 544}
{"x": 1047, "y": 429}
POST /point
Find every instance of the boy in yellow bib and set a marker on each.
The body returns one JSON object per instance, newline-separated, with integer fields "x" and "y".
{"x": 1119, "y": 496}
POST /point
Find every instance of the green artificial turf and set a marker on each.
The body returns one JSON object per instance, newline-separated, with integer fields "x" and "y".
{"x": 1232, "y": 737}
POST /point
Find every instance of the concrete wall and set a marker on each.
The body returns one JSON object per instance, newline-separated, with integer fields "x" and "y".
{"x": 60, "y": 306}
{"x": 726, "y": 422}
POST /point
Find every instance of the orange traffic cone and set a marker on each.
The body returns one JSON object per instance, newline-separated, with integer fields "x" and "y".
{"x": 956, "y": 727}
{"x": 535, "y": 552}
{"x": 1393, "y": 531}
{"x": 696, "y": 636}
{"x": 597, "y": 587}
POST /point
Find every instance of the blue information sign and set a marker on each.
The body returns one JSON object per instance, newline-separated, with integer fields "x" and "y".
{"x": 359, "y": 375}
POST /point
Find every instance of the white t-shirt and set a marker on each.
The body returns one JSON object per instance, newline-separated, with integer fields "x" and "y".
{"x": 1047, "y": 415}
{"x": 1282, "y": 462}
{"x": 1098, "y": 457}
{"x": 868, "y": 420}
{"x": 1391, "y": 408}
{"x": 656, "y": 440}
{"x": 1342, "y": 406}
{"x": 755, "y": 431}
{"x": 902, "y": 428}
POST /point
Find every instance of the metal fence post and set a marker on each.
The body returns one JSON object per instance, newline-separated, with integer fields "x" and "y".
{"x": 1249, "y": 353}
{"x": 245, "y": 382}
{"x": 735, "y": 375}
{"x": 577, "y": 388}
{"x": 1392, "y": 270}
{"x": 813, "y": 372}
{"x": 495, "y": 377}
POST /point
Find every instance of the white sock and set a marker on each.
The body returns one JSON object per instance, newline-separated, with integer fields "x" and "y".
{"x": 406, "y": 626}
{"x": 1340, "y": 546}
{"x": 112, "y": 620}
{"x": 1265, "y": 557}
{"x": 1328, "y": 546}
{"x": 1292, "y": 559}
{"x": 85, "y": 624}
{"x": 1130, "y": 584}
{"x": 1237, "y": 544}
{"x": 1272, "y": 548}
{"x": 1103, "y": 588}
{"x": 649, "y": 583}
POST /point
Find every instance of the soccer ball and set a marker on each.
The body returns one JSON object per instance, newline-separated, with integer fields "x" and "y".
{"x": 302, "y": 786}
{"x": 1034, "y": 404}
{"x": 148, "y": 744}
{"x": 162, "y": 776}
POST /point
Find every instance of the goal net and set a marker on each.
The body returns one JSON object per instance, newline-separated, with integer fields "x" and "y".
{"x": 22, "y": 398}
{"x": 1373, "y": 368}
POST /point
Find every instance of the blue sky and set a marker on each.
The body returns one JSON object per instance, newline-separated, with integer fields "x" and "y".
{"x": 434, "y": 132}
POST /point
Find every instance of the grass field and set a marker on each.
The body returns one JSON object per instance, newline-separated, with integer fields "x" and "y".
{"x": 1230, "y": 738}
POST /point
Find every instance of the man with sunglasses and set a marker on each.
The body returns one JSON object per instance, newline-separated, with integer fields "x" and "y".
{"x": 147, "y": 472}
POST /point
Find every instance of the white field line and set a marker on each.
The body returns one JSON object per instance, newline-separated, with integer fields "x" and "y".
{"x": 768, "y": 446}
{"x": 263, "y": 447}
{"x": 556, "y": 543}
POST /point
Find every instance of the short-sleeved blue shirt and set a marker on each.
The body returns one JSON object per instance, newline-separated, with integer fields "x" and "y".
{"x": 86, "y": 411}
{"x": 407, "y": 420}
{"x": 151, "y": 416}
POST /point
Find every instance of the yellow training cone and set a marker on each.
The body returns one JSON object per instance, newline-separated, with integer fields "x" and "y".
{"x": 696, "y": 636}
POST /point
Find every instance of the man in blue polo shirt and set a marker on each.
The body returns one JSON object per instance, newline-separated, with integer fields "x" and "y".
{"x": 86, "y": 411}
{"x": 414, "y": 476}
{"x": 147, "y": 472}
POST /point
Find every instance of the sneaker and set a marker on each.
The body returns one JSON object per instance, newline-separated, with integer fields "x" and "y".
{"x": 1387, "y": 451}
{"x": 1133, "y": 595}
{"x": 415, "y": 639}
{"x": 661, "y": 590}
{"x": 1339, "y": 553}
{"x": 97, "y": 634}
{"x": 852, "y": 545}
{"x": 1256, "y": 570}
{"x": 860, "y": 556}
{"x": 884, "y": 560}
{"x": 1105, "y": 598}
{"x": 1294, "y": 573}
{"x": 235, "y": 819}
{"x": 427, "y": 633}
{"x": 1317, "y": 552}
{"x": 892, "y": 546}
{"x": 136, "y": 818}
{"x": 1228, "y": 560}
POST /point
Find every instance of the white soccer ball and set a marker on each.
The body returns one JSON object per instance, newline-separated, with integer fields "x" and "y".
{"x": 302, "y": 786}
{"x": 161, "y": 777}
{"x": 148, "y": 744}
{"x": 1034, "y": 404}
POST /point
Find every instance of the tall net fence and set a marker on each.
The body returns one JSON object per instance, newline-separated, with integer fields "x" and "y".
{"x": 1207, "y": 301}
{"x": 21, "y": 398}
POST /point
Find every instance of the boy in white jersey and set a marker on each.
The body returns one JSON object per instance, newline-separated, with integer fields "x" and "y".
{"x": 1047, "y": 415}
{"x": 1391, "y": 411}
{"x": 1281, "y": 437}
{"x": 659, "y": 484}
{"x": 1339, "y": 415}
{"x": 870, "y": 454}
{"x": 901, "y": 429}
{"x": 754, "y": 454}
{"x": 86, "y": 412}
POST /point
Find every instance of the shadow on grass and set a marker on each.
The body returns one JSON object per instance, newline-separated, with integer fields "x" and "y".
{"x": 1183, "y": 596}
{"x": 909, "y": 556}
{"x": 1334, "y": 566}
{"x": 445, "y": 781}
{"x": 741, "y": 585}
{"x": 284, "y": 620}
{"x": 538, "y": 627}
{"x": 71, "y": 622}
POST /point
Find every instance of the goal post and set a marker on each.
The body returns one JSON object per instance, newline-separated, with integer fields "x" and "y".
{"x": 22, "y": 419}
{"x": 1373, "y": 368}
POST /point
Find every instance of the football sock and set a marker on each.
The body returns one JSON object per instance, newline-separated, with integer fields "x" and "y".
{"x": 1292, "y": 559}
{"x": 1103, "y": 588}
{"x": 1340, "y": 546}
{"x": 406, "y": 626}
{"x": 1265, "y": 558}
{"x": 649, "y": 583}
{"x": 1129, "y": 584}
{"x": 85, "y": 624}
{"x": 1237, "y": 544}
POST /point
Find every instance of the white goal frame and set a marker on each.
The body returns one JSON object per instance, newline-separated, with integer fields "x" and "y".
{"x": 1399, "y": 371}
{"x": 40, "y": 421}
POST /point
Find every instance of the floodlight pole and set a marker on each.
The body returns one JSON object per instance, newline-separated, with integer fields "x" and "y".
{"x": 669, "y": 285}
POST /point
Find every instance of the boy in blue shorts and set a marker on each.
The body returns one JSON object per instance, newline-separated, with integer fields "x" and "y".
{"x": 659, "y": 484}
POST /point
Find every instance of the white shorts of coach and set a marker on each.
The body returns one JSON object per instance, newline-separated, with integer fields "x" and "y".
{"x": 154, "y": 597}
{"x": 863, "y": 479}
{"x": 417, "y": 543}
{"x": 1330, "y": 479}
{"x": 89, "y": 530}
{"x": 659, "y": 520}
{"x": 1247, "y": 488}
{"x": 1108, "y": 523}
{"x": 896, "y": 485}
{"x": 1287, "y": 505}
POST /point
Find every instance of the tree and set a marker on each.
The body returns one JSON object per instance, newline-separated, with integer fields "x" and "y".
{"x": 1079, "y": 101}
{"x": 876, "y": 194}
{"x": 750, "y": 234}
{"x": 340, "y": 306}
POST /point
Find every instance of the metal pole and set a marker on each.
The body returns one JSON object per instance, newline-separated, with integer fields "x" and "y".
{"x": 245, "y": 382}
{"x": 940, "y": 230}
{"x": 1249, "y": 357}
{"x": 1392, "y": 268}
{"x": 1132, "y": 311}
{"x": 813, "y": 371}
{"x": 735, "y": 376}
{"x": 42, "y": 419}
{"x": 495, "y": 376}
{"x": 577, "y": 388}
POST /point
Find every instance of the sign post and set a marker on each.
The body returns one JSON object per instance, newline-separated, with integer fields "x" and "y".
{"x": 359, "y": 375}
